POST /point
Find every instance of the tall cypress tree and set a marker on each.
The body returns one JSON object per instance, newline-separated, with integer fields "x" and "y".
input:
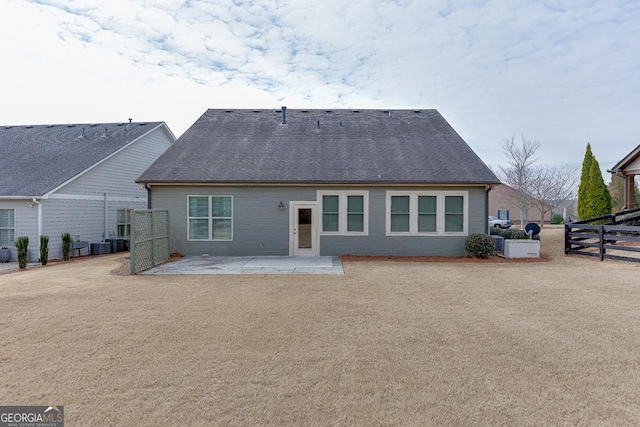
{"x": 584, "y": 178}
{"x": 594, "y": 198}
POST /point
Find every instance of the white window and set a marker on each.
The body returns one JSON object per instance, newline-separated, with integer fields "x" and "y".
{"x": 427, "y": 212}
{"x": 7, "y": 227}
{"x": 210, "y": 218}
{"x": 345, "y": 212}
{"x": 124, "y": 223}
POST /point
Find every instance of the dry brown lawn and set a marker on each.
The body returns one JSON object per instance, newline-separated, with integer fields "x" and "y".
{"x": 389, "y": 343}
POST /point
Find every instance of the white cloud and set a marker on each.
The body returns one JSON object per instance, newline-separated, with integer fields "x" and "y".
{"x": 564, "y": 74}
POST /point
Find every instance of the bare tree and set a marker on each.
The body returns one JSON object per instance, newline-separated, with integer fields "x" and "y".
{"x": 551, "y": 186}
{"x": 519, "y": 172}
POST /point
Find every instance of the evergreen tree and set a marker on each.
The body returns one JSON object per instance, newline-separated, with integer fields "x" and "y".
{"x": 594, "y": 198}
{"x": 582, "y": 189}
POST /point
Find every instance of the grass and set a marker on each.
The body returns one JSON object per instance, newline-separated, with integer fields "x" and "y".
{"x": 389, "y": 343}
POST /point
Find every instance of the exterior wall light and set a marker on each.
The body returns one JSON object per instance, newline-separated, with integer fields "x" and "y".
{"x": 281, "y": 206}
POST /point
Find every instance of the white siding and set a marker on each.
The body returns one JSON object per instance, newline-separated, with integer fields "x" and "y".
{"x": 117, "y": 175}
{"x": 26, "y": 224}
{"x": 634, "y": 167}
{"x": 78, "y": 208}
{"x": 82, "y": 218}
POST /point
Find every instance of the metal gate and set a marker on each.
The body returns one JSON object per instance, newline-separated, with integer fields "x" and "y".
{"x": 149, "y": 239}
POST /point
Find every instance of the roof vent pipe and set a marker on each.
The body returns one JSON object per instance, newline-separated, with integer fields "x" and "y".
{"x": 284, "y": 115}
{"x": 104, "y": 134}
{"x": 81, "y": 133}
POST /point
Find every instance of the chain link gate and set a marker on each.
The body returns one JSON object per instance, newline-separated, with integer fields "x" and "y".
{"x": 149, "y": 239}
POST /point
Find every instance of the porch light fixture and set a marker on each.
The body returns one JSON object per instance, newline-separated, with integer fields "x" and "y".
{"x": 281, "y": 206}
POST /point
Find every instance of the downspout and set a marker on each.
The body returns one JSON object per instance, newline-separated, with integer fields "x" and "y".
{"x": 106, "y": 216}
{"x": 148, "y": 196}
{"x": 486, "y": 208}
{"x": 39, "y": 213}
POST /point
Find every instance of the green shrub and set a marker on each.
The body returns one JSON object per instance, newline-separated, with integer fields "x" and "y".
{"x": 594, "y": 199}
{"x": 22, "y": 245}
{"x": 557, "y": 219}
{"x": 512, "y": 233}
{"x": 479, "y": 245}
{"x": 66, "y": 246}
{"x": 44, "y": 249}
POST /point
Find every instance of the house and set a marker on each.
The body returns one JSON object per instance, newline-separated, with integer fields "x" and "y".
{"x": 321, "y": 182}
{"x": 503, "y": 203}
{"x": 628, "y": 167}
{"x": 74, "y": 178}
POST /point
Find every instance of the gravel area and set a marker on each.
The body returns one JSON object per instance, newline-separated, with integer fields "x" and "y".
{"x": 388, "y": 343}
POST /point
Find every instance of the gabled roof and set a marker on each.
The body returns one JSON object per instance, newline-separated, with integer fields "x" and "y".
{"x": 320, "y": 146}
{"x": 628, "y": 164}
{"x": 37, "y": 159}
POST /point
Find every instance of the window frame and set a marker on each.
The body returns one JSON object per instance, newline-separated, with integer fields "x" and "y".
{"x": 343, "y": 213}
{"x": 12, "y": 227}
{"x": 440, "y": 213}
{"x": 210, "y": 218}
{"x": 127, "y": 224}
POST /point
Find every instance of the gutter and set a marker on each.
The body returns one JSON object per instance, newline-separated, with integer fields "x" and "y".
{"x": 148, "y": 196}
{"x": 315, "y": 184}
{"x": 486, "y": 207}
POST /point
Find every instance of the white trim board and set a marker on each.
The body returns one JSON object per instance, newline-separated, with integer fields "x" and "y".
{"x": 100, "y": 198}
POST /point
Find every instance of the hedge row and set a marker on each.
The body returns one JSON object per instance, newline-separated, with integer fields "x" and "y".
{"x": 512, "y": 233}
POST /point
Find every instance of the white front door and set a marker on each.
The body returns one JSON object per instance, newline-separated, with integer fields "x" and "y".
{"x": 303, "y": 229}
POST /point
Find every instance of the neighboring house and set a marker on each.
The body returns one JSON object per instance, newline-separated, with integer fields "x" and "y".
{"x": 503, "y": 198}
{"x": 321, "y": 182}
{"x": 628, "y": 167}
{"x": 77, "y": 179}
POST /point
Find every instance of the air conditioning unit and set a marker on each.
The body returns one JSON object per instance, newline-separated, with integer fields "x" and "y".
{"x": 499, "y": 241}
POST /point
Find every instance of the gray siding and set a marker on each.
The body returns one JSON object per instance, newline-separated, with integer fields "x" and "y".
{"x": 26, "y": 224}
{"x": 117, "y": 175}
{"x": 377, "y": 243}
{"x": 260, "y": 228}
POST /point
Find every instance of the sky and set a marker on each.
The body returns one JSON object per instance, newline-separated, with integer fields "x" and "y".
{"x": 563, "y": 73}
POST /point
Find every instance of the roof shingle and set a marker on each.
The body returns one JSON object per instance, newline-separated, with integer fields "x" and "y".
{"x": 320, "y": 146}
{"x": 36, "y": 159}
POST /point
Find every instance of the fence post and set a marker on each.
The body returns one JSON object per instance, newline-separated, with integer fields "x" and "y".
{"x": 601, "y": 245}
{"x": 567, "y": 246}
{"x": 153, "y": 238}
{"x": 132, "y": 242}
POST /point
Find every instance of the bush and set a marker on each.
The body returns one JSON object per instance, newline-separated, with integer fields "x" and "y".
{"x": 22, "y": 245}
{"x": 44, "y": 249}
{"x": 66, "y": 246}
{"x": 557, "y": 219}
{"x": 479, "y": 245}
{"x": 513, "y": 233}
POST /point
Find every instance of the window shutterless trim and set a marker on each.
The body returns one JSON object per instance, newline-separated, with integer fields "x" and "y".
{"x": 11, "y": 227}
{"x": 342, "y": 212}
{"x": 126, "y": 223}
{"x": 440, "y": 213}
{"x": 209, "y": 218}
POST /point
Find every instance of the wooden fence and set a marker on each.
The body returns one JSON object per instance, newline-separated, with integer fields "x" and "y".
{"x": 615, "y": 236}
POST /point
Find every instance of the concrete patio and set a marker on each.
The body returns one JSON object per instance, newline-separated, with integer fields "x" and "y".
{"x": 251, "y": 265}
